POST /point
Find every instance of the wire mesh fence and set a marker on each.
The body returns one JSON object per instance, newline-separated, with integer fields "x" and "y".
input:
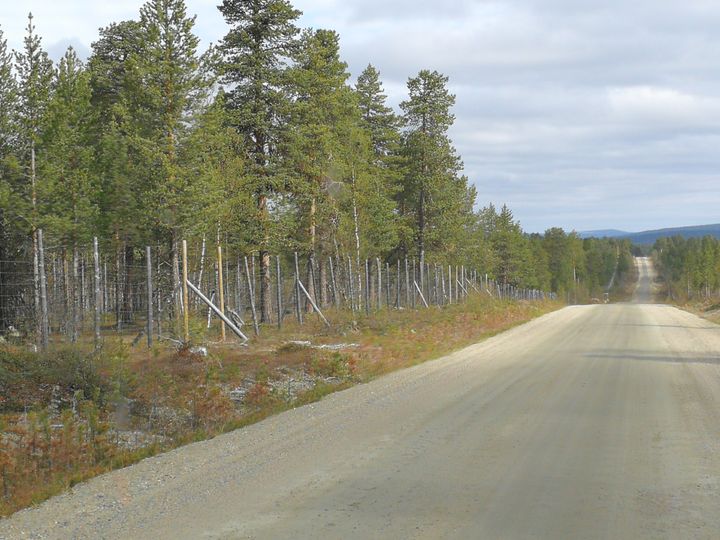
{"x": 73, "y": 293}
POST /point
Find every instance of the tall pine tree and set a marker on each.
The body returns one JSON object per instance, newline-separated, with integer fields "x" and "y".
{"x": 435, "y": 200}
{"x": 255, "y": 53}
{"x": 35, "y": 72}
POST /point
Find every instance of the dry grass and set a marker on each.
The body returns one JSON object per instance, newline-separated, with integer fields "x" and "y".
{"x": 176, "y": 397}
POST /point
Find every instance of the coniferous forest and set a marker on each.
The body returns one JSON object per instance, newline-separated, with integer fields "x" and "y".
{"x": 263, "y": 143}
{"x": 245, "y": 170}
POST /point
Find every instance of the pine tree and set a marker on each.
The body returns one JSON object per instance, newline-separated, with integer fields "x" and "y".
{"x": 34, "y": 69}
{"x": 321, "y": 121}
{"x": 172, "y": 83}
{"x": 8, "y": 166}
{"x": 435, "y": 198}
{"x": 255, "y": 54}
{"x": 511, "y": 249}
{"x": 35, "y": 72}
{"x": 8, "y": 97}
{"x": 377, "y": 117}
{"x": 69, "y": 192}
{"x": 116, "y": 99}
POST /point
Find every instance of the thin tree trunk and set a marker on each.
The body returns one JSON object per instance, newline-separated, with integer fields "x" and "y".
{"x": 203, "y": 249}
{"x": 177, "y": 285}
{"x": 75, "y": 297}
{"x": 323, "y": 284}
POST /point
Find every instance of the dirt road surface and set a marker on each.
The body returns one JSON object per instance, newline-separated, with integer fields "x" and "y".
{"x": 592, "y": 422}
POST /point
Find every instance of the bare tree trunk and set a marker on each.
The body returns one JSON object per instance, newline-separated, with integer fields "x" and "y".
{"x": 265, "y": 287}
{"x": 203, "y": 249}
{"x": 323, "y": 284}
{"x": 128, "y": 308}
{"x": 44, "y": 324}
{"x": 75, "y": 298}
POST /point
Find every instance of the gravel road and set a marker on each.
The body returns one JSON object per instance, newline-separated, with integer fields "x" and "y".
{"x": 591, "y": 422}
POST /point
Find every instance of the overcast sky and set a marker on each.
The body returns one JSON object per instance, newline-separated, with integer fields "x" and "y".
{"x": 579, "y": 114}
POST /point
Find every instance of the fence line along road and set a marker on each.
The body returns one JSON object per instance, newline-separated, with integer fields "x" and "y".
{"x": 80, "y": 292}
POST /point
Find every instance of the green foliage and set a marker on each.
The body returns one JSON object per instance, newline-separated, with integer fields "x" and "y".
{"x": 690, "y": 266}
{"x": 435, "y": 200}
{"x": 69, "y": 190}
{"x": 262, "y": 143}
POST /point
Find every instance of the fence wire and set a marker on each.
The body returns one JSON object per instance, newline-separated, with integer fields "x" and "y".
{"x": 82, "y": 293}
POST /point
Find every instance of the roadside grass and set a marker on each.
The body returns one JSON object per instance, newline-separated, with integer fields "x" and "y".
{"x": 66, "y": 416}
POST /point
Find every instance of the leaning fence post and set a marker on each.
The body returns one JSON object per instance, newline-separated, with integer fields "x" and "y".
{"x": 417, "y": 287}
{"x": 312, "y": 303}
{"x": 149, "y": 330}
{"x": 217, "y": 311}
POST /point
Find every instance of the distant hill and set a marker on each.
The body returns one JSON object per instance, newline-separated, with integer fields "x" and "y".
{"x": 604, "y": 233}
{"x": 649, "y": 237}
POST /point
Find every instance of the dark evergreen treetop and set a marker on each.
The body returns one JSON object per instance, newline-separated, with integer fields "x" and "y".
{"x": 8, "y": 97}
{"x": 35, "y": 72}
{"x": 377, "y": 117}
{"x": 428, "y": 107}
{"x": 255, "y": 54}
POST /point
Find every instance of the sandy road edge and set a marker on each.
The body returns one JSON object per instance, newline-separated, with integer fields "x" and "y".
{"x": 32, "y": 522}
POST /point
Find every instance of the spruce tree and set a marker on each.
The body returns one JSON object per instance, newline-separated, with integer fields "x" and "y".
{"x": 255, "y": 53}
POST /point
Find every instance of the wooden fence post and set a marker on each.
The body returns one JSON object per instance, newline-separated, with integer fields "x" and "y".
{"x": 251, "y": 291}
{"x": 333, "y": 281}
{"x": 98, "y": 297}
{"x": 367, "y": 286}
{"x": 186, "y": 305}
{"x": 149, "y": 330}
{"x": 45, "y": 322}
{"x": 279, "y": 292}
{"x": 379, "y": 283}
{"x": 407, "y": 283}
{"x": 221, "y": 288}
{"x": 351, "y": 291}
{"x": 298, "y": 309}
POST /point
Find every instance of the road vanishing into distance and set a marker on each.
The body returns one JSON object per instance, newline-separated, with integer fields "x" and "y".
{"x": 591, "y": 422}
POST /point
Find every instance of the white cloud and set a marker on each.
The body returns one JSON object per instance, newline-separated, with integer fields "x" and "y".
{"x": 593, "y": 114}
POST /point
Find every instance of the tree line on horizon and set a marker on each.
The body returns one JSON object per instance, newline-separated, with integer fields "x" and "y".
{"x": 690, "y": 267}
{"x": 262, "y": 142}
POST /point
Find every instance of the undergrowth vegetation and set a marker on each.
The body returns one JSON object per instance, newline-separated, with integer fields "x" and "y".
{"x": 73, "y": 413}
